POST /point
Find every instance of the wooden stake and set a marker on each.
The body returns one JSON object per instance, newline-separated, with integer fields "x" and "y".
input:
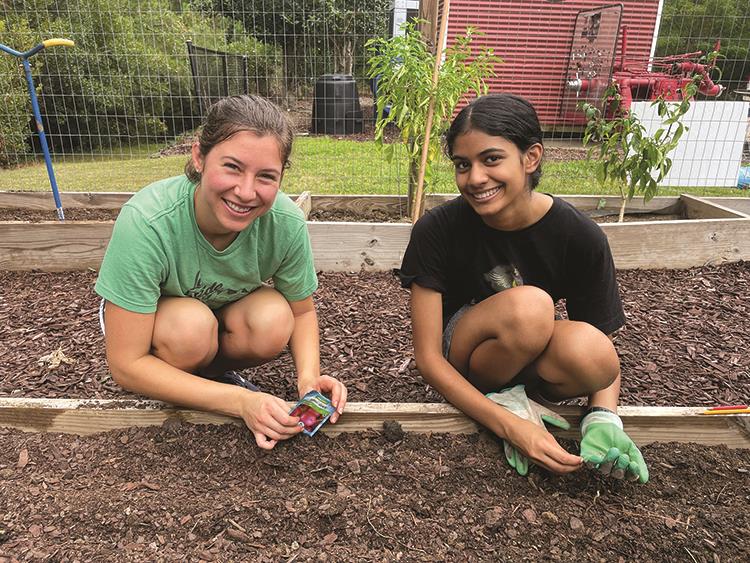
{"x": 417, "y": 207}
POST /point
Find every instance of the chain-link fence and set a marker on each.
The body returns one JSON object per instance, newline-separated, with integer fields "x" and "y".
{"x": 142, "y": 72}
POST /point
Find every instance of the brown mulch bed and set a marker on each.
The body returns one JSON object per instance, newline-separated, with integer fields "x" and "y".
{"x": 71, "y": 214}
{"x": 183, "y": 492}
{"x": 372, "y": 215}
{"x": 686, "y": 341}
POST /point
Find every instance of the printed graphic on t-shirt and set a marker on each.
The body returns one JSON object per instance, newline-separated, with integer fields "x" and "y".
{"x": 206, "y": 292}
{"x": 503, "y": 276}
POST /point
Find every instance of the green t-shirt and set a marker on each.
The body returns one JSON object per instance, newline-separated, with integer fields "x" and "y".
{"x": 157, "y": 250}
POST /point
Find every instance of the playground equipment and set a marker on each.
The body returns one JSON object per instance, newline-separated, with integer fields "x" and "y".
{"x": 592, "y": 66}
{"x": 25, "y": 56}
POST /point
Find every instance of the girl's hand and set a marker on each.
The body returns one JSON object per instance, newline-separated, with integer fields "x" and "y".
{"x": 540, "y": 447}
{"x": 328, "y": 386}
{"x": 268, "y": 419}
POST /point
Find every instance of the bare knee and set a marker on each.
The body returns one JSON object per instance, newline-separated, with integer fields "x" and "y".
{"x": 586, "y": 360}
{"x": 185, "y": 333}
{"x": 260, "y": 331}
{"x": 526, "y": 319}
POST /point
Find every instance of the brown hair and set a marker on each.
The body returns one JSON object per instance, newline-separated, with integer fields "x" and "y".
{"x": 243, "y": 113}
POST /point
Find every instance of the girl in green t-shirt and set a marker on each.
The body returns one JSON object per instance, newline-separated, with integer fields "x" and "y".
{"x": 183, "y": 277}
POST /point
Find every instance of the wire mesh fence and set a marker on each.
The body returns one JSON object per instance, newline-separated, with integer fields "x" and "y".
{"x": 143, "y": 72}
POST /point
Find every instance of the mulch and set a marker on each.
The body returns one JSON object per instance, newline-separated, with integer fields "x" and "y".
{"x": 207, "y": 493}
{"x": 685, "y": 343}
{"x": 369, "y": 215}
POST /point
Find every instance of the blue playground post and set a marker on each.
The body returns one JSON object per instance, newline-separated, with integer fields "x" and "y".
{"x": 35, "y": 108}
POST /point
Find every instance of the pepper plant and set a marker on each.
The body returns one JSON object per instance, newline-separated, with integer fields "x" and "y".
{"x": 403, "y": 66}
{"x": 629, "y": 158}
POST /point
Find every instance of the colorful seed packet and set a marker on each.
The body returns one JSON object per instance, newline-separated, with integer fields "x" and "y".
{"x": 313, "y": 410}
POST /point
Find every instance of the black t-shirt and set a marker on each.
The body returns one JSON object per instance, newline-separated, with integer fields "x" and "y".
{"x": 565, "y": 253}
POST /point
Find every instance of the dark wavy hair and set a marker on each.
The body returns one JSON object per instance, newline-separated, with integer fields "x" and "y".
{"x": 243, "y": 113}
{"x": 500, "y": 115}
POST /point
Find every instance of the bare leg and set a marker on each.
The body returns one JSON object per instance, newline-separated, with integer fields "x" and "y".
{"x": 579, "y": 360}
{"x": 498, "y": 337}
{"x": 253, "y": 330}
{"x": 512, "y": 338}
{"x": 185, "y": 333}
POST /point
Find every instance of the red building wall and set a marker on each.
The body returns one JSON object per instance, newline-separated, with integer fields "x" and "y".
{"x": 533, "y": 37}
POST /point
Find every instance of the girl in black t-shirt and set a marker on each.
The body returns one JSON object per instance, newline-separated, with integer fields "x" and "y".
{"x": 484, "y": 272}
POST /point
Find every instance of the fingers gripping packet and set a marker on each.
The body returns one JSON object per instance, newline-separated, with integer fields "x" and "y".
{"x": 313, "y": 410}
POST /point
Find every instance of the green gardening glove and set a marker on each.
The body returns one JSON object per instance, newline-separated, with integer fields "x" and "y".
{"x": 515, "y": 400}
{"x": 607, "y": 448}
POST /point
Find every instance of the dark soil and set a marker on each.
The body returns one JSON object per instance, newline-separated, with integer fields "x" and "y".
{"x": 71, "y": 214}
{"x": 685, "y": 343}
{"x": 183, "y": 492}
{"x": 371, "y": 216}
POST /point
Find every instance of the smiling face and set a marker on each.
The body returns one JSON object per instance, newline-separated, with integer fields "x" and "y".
{"x": 239, "y": 181}
{"x": 492, "y": 174}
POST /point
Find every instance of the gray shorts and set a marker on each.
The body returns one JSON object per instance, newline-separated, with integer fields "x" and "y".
{"x": 101, "y": 317}
{"x": 450, "y": 327}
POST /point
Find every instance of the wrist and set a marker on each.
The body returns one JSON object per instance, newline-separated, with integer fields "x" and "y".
{"x": 306, "y": 381}
{"x": 599, "y": 415}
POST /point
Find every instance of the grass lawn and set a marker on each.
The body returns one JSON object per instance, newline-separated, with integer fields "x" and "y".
{"x": 321, "y": 165}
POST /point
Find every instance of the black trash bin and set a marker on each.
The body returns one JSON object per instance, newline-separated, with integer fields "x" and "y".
{"x": 336, "y": 109}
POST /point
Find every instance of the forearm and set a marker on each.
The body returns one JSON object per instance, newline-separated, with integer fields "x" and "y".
{"x": 608, "y": 397}
{"x": 305, "y": 347}
{"x": 439, "y": 373}
{"x": 158, "y": 380}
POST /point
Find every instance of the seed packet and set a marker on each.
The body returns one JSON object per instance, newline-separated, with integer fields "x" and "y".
{"x": 313, "y": 410}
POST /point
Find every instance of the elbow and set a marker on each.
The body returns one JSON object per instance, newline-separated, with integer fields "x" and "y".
{"x": 120, "y": 375}
{"x": 427, "y": 364}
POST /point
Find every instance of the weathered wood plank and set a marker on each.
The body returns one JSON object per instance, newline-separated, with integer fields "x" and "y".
{"x": 741, "y": 204}
{"x": 53, "y": 246}
{"x": 341, "y": 246}
{"x": 678, "y": 244}
{"x": 700, "y": 208}
{"x": 70, "y": 200}
{"x": 662, "y": 204}
{"x": 644, "y": 424}
{"x": 344, "y": 246}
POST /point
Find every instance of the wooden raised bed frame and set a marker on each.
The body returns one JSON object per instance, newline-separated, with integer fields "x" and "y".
{"x": 644, "y": 424}
{"x": 716, "y": 230}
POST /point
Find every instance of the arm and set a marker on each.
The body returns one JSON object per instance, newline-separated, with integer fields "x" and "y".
{"x": 305, "y": 347}
{"x": 134, "y": 367}
{"x": 605, "y": 446}
{"x": 609, "y": 396}
{"x": 535, "y": 442}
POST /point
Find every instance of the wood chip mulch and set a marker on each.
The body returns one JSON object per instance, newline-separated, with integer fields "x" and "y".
{"x": 685, "y": 344}
{"x": 201, "y": 493}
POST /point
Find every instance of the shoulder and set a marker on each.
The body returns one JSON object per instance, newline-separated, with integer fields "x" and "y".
{"x": 284, "y": 210}
{"x": 447, "y": 217}
{"x": 162, "y": 197}
{"x": 576, "y": 225}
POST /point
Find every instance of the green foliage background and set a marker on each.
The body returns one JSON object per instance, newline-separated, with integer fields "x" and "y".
{"x": 127, "y": 78}
{"x": 15, "y": 97}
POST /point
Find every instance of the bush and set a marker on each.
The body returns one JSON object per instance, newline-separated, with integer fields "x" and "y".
{"x": 128, "y": 77}
{"x": 15, "y": 111}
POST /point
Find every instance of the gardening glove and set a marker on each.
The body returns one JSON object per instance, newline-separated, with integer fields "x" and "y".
{"x": 515, "y": 400}
{"x": 607, "y": 448}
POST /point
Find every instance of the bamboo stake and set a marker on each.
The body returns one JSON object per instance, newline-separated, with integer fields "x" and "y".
{"x": 417, "y": 208}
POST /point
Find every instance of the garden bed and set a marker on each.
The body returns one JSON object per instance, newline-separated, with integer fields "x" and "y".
{"x": 181, "y": 491}
{"x": 208, "y": 493}
{"x": 709, "y": 234}
{"x": 685, "y": 342}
